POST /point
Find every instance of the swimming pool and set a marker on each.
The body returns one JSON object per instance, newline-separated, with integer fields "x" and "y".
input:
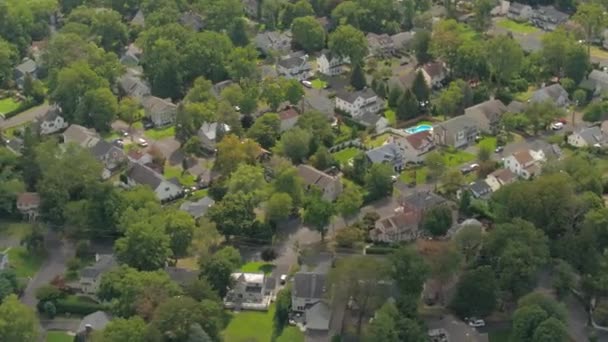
{"x": 418, "y": 129}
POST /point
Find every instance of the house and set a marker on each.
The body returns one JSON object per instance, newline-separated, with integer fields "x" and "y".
{"x": 81, "y": 136}
{"x": 414, "y": 146}
{"x": 380, "y": 44}
{"x": 524, "y": 163}
{"x": 516, "y": 107}
{"x": 421, "y": 201}
{"x": 132, "y": 56}
{"x": 330, "y": 186}
{"x": 3, "y": 261}
{"x": 28, "y": 204}
{"x": 317, "y": 318}
{"x": 319, "y": 103}
{"x": 554, "y": 93}
{"x": 294, "y": 66}
{"x": 251, "y": 8}
{"x": 331, "y": 65}
{"x": 487, "y": 114}
{"x": 402, "y": 41}
{"x": 209, "y": 132}
{"x": 435, "y": 74}
{"x": 596, "y": 82}
{"x": 15, "y": 145}
{"x": 199, "y": 208}
{"x": 52, "y": 121}
{"x": 165, "y": 190}
{"x": 133, "y": 86}
{"x": 388, "y": 153}
{"x": 459, "y": 131}
{"x": 109, "y": 155}
{"x": 181, "y": 276}
{"x": 90, "y": 276}
{"x": 401, "y": 226}
{"x": 96, "y": 321}
{"x": 360, "y": 102}
{"x": 27, "y": 67}
{"x": 480, "y": 189}
{"x": 218, "y": 87}
{"x": 247, "y": 292}
{"x": 588, "y": 137}
{"x": 500, "y": 178}
{"x": 139, "y": 19}
{"x": 160, "y": 112}
{"x": 548, "y": 18}
{"x": 308, "y": 289}
{"x": 501, "y": 10}
{"x": 273, "y": 41}
{"x": 192, "y": 20}
{"x": 372, "y": 121}
{"x": 137, "y": 156}
{"x": 289, "y": 118}
{"x": 519, "y": 12}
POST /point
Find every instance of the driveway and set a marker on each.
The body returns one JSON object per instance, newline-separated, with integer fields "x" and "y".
{"x": 24, "y": 117}
{"x": 59, "y": 252}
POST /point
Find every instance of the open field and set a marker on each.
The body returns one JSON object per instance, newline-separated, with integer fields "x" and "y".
{"x": 515, "y": 27}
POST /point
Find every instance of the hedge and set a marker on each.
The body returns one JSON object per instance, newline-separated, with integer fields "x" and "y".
{"x": 23, "y": 107}
{"x": 379, "y": 250}
{"x": 78, "y": 307}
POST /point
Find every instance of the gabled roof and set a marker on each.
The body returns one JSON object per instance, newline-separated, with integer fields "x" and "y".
{"x": 209, "y": 129}
{"x": 309, "y": 285}
{"x": 457, "y": 124}
{"x": 287, "y": 114}
{"x": 523, "y": 157}
{"x": 318, "y": 316}
{"x": 352, "y": 96}
{"x": 312, "y": 176}
{"x": 386, "y": 153}
{"x": 480, "y": 188}
{"x": 516, "y": 107}
{"x": 142, "y": 174}
{"x": 505, "y": 176}
{"x": 554, "y": 92}
{"x": 51, "y": 114}
{"x": 490, "y": 109}
{"x": 28, "y": 66}
{"x": 592, "y": 135}
{"x": 79, "y": 135}
{"x": 553, "y": 13}
{"x": 420, "y": 139}
{"x": 599, "y": 76}
{"x": 139, "y": 19}
{"x": 516, "y": 7}
{"x": 97, "y": 321}
{"x": 434, "y": 69}
{"x": 273, "y": 40}
{"x": 292, "y": 61}
{"x": 379, "y": 40}
{"x": 198, "y": 208}
{"x": 28, "y": 199}
{"x": 157, "y": 105}
{"x": 402, "y": 38}
{"x": 104, "y": 148}
{"x": 133, "y": 85}
{"x": 423, "y": 200}
{"x": 103, "y": 264}
{"x": 370, "y": 119}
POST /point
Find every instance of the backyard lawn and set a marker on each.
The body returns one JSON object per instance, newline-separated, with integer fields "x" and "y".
{"x": 598, "y": 52}
{"x": 257, "y": 266}
{"x": 184, "y": 178}
{"x": 58, "y": 336}
{"x": 345, "y": 133}
{"x": 8, "y": 105}
{"x": 24, "y": 263}
{"x": 318, "y": 83}
{"x": 500, "y": 336}
{"x": 421, "y": 173}
{"x": 457, "y": 157}
{"x": 487, "y": 142}
{"x": 377, "y": 141}
{"x": 252, "y": 326}
{"x": 390, "y": 115}
{"x": 526, "y": 95}
{"x": 346, "y": 154}
{"x": 516, "y": 27}
{"x": 291, "y": 334}
{"x": 160, "y": 133}
{"x": 13, "y": 231}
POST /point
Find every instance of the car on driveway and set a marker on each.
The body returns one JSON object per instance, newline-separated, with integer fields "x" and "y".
{"x": 142, "y": 142}
{"x": 476, "y": 322}
{"x": 556, "y": 126}
{"x": 499, "y": 149}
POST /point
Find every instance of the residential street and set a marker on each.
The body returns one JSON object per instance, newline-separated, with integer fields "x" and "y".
{"x": 58, "y": 254}
{"x": 25, "y": 117}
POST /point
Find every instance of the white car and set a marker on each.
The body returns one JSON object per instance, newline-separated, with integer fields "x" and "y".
{"x": 283, "y": 279}
{"x": 477, "y": 323}
{"x": 142, "y": 142}
{"x": 307, "y": 84}
{"x": 556, "y": 126}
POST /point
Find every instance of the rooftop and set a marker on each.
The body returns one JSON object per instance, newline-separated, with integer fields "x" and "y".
{"x": 309, "y": 285}
{"x": 352, "y": 96}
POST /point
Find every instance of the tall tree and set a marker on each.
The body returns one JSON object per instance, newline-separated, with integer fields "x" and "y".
{"x": 308, "y": 33}
{"x": 407, "y": 107}
{"x": 357, "y": 78}
{"x": 592, "y": 18}
{"x": 476, "y": 293}
{"x": 347, "y": 41}
{"x": 318, "y": 213}
{"x": 219, "y": 267}
{"x": 506, "y": 58}
{"x": 233, "y": 215}
{"x": 409, "y": 271}
{"x": 121, "y": 329}
{"x": 145, "y": 247}
{"x": 265, "y": 130}
{"x": 420, "y": 88}
{"x": 17, "y": 321}
{"x": 8, "y": 58}
{"x": 378, "y": 181}
{"x": 295, "y": 144}
{"x": 421, "y": 45}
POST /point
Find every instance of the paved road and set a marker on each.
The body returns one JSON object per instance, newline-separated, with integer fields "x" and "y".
{"x": 25, "y": 117}
{"x": 59, "y": 252}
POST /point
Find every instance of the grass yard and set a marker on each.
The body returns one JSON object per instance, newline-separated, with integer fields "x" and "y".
{"x": 346, "y": 154}
{"x": 318, "y": 83}
{"x": 112, "y": 135}
{"x": 377, "y": 141}
{"x": 500, "y": 336}
{"x": 8, "y": 105}
{"x": 457, "y": 157}
{"x": 160, "y": 133}
{"x": 526, "y": 95}
{"x": 487, "y": 142}
{"x": 345, "y": 133}
{"x": 390, "y": 115}
{"x": 420, "y": 173}
{"x": 598, "y": 52}
{"x": 184, "y": 178}
{"x": 257, "y": 266}
{"x": 13, "y": 231}
{"x": 24, "y": 263}
{"x": 516, "y": 27}
{"x": 252, "y": 326}
{"x": 58, "y": 336}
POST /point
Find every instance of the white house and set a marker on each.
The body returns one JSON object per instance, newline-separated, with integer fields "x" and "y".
{"x": 588, "y": 137}
{"x": 500, "y": 178}
{"x": 308, "y": 289}
{"x": 331, "y": 65}
{"x": 161, "y": 112}
{"x": 165, "y": 190}
{"x": 525, "y": 163}
{"x": 358, "y": 103}
{"x": 52, "y": 121}
{"x": 294, "y": 66}
{"x": 249, "y": 291}
{"x": 208, "y": 134}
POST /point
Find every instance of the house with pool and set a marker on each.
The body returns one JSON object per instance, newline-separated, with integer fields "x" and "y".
{"x": 458, "y": 132}
{"x": 401, "y": 149}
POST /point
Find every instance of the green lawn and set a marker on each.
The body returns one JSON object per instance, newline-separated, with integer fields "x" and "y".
{"x": 160, "y": 133}
{"x": 377, "y": 141}
{"x": 345, "y": 133}
{"x": 500, "y": 336}
{"x": 420, "y": 173}
{"x": 257, "y": 266}
{"x": 12, "y": 230}
{"x": 184, "y": 178}
{"x": 390, "y": 115}
{"x": 109, "y": 136}
{"x": 24, "y": 263}
{"x": 516, "y": 27}
{"x": 457, "y": 157}
{"x": 526, "y": 95}
{"x": 318, "y": 83}
{"x": 346, "y": 154}
{"x": 252, "y": 326}
{"x": 8, "y": 105}
{"x": 58, "y": 336}
{"x": 598, "y": 52}
{"x": 487, "y": 142}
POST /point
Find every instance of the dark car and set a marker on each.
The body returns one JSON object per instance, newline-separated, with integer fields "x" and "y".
{"x": 119, "y": 143}
{"x": 148, "y": 124}
{"x": 499, "y": 149}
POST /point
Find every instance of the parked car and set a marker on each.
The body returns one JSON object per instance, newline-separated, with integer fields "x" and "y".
{"x": 499, "y": 149}
{"x": 283, "y": 279}
{"x": 307, "y": 84}
{"x": 476, "y": 323}
{"x": 124, "y": 133}
{"x": 119, "y": 143}
{"x": 556, "y": 126}
{"x": 469, "y": 168}
{"x": 147, "y": 123}
{"x": 142, "y": 142}
{"x": 562, "y": 120}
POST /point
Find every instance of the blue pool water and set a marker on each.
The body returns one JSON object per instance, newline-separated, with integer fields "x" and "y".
{"x": 417, "y": 129}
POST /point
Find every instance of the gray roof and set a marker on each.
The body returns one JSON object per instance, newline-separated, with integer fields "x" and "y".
{"x": 592, "y": 135}
{"x": 599, "y": 76}
{"x": 491, "y": 109}
{"x": 198, "y": 208}
{"x": 457, "y": 124}
{"x": 292, "y": 61}
{"x": 423, "y": 200}
{"x": 97, "y": 320}
{"x": 273, "y": 40}
{"x": 370, "y": 119}
{"x": 402, "y": 38}
{"x": 209, "y": 130}
{"x": 142, "y": 174}
{"x": 383, "y": 154}
{"x": 553, "y": 14}
{"x": 157, "y": 105}
{"x": 516, "y": 7}
{"x": 218, "y": 87}
{"x": 138, "y": 19}
{"x": 270, "y": 283}
{"x": 78, "y": 134}
{"x": 516, "y": 107}
{"x": 553, "y": 92}
{"x": 28, "y": 66}
{"x": 480, "y": 188}
{"x": 133, "y": 85}
{"x": 351, "y": 96}
{"x": 309, "y": 285}
{"x": 319, "y": 103}
{"x": 103, "y": 148}
{"x": 103, "y": 264}
{"x": 318, "y": 316}
{"x": 51, "y": 114}
{"x": 181, "y": 276}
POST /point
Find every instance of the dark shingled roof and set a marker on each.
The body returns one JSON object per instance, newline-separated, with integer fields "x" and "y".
{"x": 423, "y": 200}
{"x": 292, "y": 62}
{"x": 351, "y": 96}
{"x": 142, "y": 174}
{"x": 309, "y": 285}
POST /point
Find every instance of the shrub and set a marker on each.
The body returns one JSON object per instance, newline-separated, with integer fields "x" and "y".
{"x": 83, "y": 248}
{"x": 379, "y": 250}
{"x": 49, "y": 309}
{"x": 77, "y": 306}
{"x": 269, "y": 254}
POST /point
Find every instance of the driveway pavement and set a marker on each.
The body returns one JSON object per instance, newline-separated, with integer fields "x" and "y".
{"x": 25, "y": 117}
{"x": 59, "y": 252}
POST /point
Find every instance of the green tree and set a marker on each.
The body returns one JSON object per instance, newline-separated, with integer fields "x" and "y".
{"x": 241, "y": 63}
{"x": 483, "y": 16}
{"x": 278, "y": 207}
{"x": 231, "y": 152}
{"x": 359, "y": 169}
{"x": 592, "y": 18}
{"x": 436, "y": 163}
{"x": 318, "y": 213}
{"x": 378, "y": 181}
{"x": 551, "y": 330}
{"x": 145, "y": 247}
{"x": 160, "y": 67}
{"x": 471, "y": 60}
{"x": 384, "y": 326}
{"x": 106, "y": 24}
{"x": 577, "y": 63}
{"x": 350, "y": 200}
{"x": 8, "y": 58}
{"x": 322, "y": 159}
{"x": 294, "y": 91}
{"x": 175, "y": 316}
{"x": 238, "y": 32}
{"x": 283, "y": 308}
{"x": 468, "y": 240}
{"x": 120, "y": 329}
{"x": 308, "y": 33}
{"x": 100, "y": 110}
{"x": 451, "y": 100}
{"x": 295, "y": 144}
{"x": 420, "y": 88}
{"x": 347, "y": 41}
{"x": 357, "y": 78}
{"x": 197, "y": 334}
{"x": 447, "y": 37}
{"x": 17, "y": 321}
{"x": 409, "y": 271}
{"x": 179, "y": 225}
{"x": 273, "y": 92}
{"x": 421, "y": 45}
{"x": 233, "y": 215}
{"x": 525, "y": 322}
{"x": 288, "y": 181}
{"x": 476, "y": 293}
{"x": 407, "y": 107}
{"x": 265, "y": 130}
{"x": 220, "y": 14}
{"x": 128, "y": 111}
{"x": 218, "y": 268}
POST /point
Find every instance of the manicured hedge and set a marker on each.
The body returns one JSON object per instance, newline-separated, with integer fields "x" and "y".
{"x": 78, "y": 307}
{"x": 379, "y": 250}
